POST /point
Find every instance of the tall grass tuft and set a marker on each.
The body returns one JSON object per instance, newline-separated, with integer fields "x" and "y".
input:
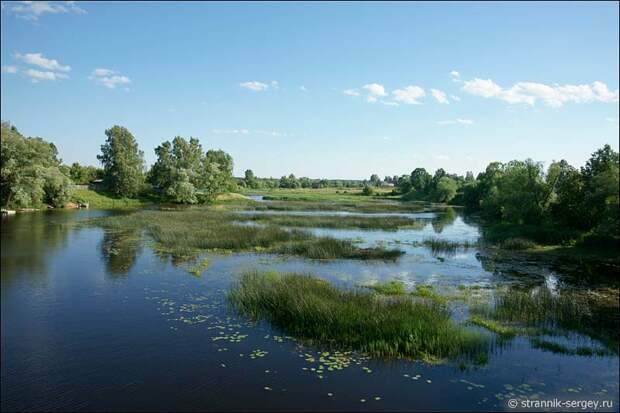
{"x": 388, "y": 326}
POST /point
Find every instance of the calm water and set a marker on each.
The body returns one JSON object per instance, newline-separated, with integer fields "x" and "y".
{"x": 93, "y": 321}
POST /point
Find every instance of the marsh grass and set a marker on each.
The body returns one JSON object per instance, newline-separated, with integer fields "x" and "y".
{"x": 393, "y": 287}
{"x": 548, "y": 312}
{"x": 185, "y": 232}
{"x": 370, "y": 222}
{"x": 386, "y": 326}
{"x": 558, "y": 348}
{"x": 517, "y": 244}
{"x": 447, "y": 247}
{"x": 331, "y": 248}
{"x": 199, "y": 268}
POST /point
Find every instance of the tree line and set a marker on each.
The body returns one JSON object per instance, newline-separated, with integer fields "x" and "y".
{"x": 32, "y": 174}
{"x": 291, "y": 182}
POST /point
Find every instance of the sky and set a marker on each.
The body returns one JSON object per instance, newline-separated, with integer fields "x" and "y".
{"x": 325, "y": 90}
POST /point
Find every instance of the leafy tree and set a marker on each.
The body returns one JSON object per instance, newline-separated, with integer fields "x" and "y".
{"x": 83, "y": 175}
{"x": 123, "y": 162}
{"x": 30, "y": 171}
{"x": 446, "y": 189}
{"x": 250, "y": 179}
{"x": 375, "y": 180}
{"x": 420, "y": 180}
{"x": 185, "y": 173}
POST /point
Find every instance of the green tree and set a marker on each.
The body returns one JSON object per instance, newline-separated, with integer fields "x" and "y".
{"x": 420, "y": 180}
{"x": 250, "y": 179}
{"x": 446, "y": 189}
{"x": 123, "y": 162}
{"x": 30, "y": 171}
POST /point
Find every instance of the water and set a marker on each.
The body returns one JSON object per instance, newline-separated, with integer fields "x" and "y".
{"x": 95, "y": 321}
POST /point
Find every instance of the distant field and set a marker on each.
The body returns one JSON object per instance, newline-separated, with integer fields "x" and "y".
{"x": 101, "y": 200}
{"x": 319, "y": 194}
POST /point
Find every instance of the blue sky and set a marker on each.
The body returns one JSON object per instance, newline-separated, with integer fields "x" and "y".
{"x": 338, "y": 90}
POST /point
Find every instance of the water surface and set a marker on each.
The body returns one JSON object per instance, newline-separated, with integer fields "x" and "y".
{"x": 99, "y": 321}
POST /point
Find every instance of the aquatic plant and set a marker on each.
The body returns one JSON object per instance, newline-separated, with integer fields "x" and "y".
{"x": 517, "y": 244}
{"x": 443, "y": 246}
{"x": 311, "y": 308}
{"x": 363, "y": 222}
{"x": 185, "y": 232}
{"x": 393, "y": 287}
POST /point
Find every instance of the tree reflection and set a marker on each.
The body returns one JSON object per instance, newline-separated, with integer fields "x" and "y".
{"x": 120, "y": 249}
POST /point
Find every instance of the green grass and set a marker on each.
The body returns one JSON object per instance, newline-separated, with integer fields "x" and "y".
{"x": 103, "y": 200}
{"x": 184, "y": 233}
{"x": 199, "y": 268}
{"x": 494, "y": 327}
{"x": 330, "y": 248}
{"x": 517, "y": 244}
{"x": 393, "y": 287}
{"x": 397, "y": 326}
{"x": 442, "y": 246}
{"x": 569, "y": 311}
{"x": 383, "y": 223}
{"x": 557, "y": 348}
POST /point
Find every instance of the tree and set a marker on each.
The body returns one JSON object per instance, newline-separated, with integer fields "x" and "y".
{"x": 420, "y": 180}
{"x": 600, "y": 176}
{"x": 123, "y": 162}
{"x": 30, "y": 171}
{"x": 375, "y": 180}
{"x": 83, "y": 175}
{"x": 250, "y": 179}
{"x": 446, "y": 189}
{"x": 186, "y": 174}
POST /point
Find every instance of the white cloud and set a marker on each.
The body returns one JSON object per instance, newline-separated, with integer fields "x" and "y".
{"x": 9, "y": 69}
{"x": 109, "y": 78}
{"x": 303, "y": 88}
{"x": 37, "y": 59}
{"x": 456, "y": 121}
{"x": 32, "y": 10}
{"x": 530, "y": 92}
{"x": 351, "y": 92}
{"x": 37, "y": 75}
{"x": 247, "y": 132}
{"x": 455, "y": 98}
{"x": 612, "y": 120}
{"x": 255, "y": 86}
{"x": 456, "y": 76}
{"x": 409, "y": 95}
{"x": 275, "y": 84}
{"x": 440, "y": 96}
{"x": 387, "y": 103}
{"x": 375, "y": 89}
{"x": 442, "y": 157}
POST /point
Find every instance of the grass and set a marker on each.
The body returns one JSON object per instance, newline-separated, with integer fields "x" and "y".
{"x": 557, "y": 348}
{"x": 199, "y": 268}
{"x": 393, "y": 287}
{"x": 104, "y": 200}
{"x": 397, "y": 326}
{"x": 442, "y": 246}
{"x": 186, "y": 232}
{"x": 383, "y": 223}
{"x": 330, "y": 248}
{"x": 568, "y": 311}
{"x": 493, "y": 326}
{"x": 517, "y": 244}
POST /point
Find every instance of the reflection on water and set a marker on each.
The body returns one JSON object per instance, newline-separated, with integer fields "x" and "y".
{"x": 95, "y": 320}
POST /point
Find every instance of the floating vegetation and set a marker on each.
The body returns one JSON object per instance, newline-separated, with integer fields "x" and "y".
{"x": 551, "y": 313}
{"x": 185, "y": 233}
{"x": 393, "y": 287}
{"x": 330, "y": 248}
{"x": 311, "y": 308}
{"x": 494, "y": 326}
{"x": 447, "y": 247}
{"x": 386, "y": 223}
{"x": 258, "y": 354}
{"x": 517, "y": 244}
{"x": 198, "y": 269}
{"x": 557, "y": 348}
